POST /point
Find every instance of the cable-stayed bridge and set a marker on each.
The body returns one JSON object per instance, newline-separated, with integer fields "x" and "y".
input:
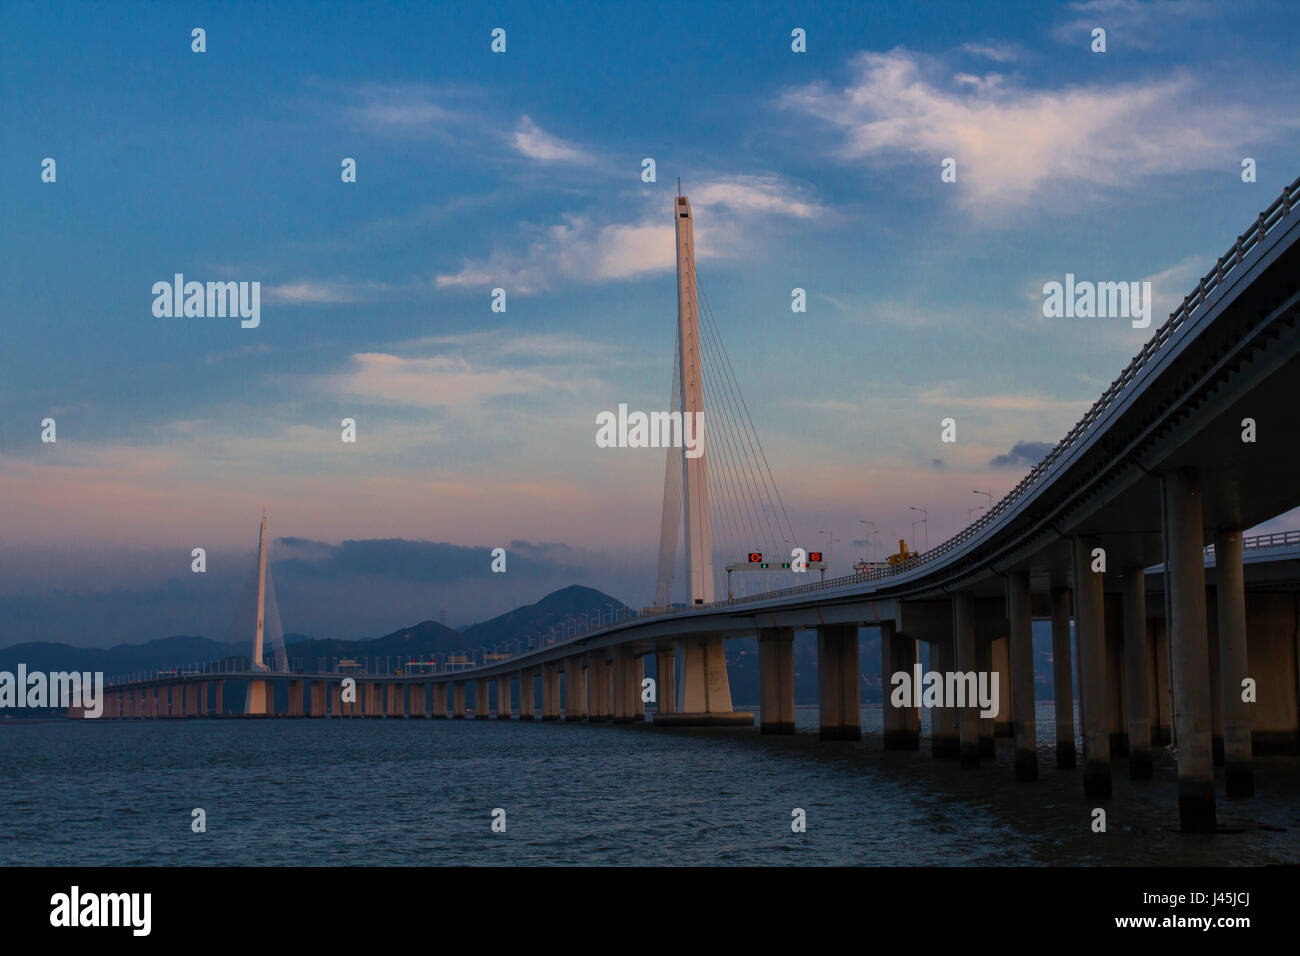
{"x": 1203, "y": 658}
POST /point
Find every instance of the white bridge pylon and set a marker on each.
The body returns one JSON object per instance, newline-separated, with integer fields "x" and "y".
{"x": 255, "y": 698}
{"x": 704, "y": 690}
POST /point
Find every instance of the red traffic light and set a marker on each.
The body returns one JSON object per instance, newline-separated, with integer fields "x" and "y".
{"x": 755, "y": 557}
{"x": 814, "y": 557}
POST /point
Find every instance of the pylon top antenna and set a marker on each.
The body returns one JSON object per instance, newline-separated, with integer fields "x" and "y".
{"x": 679, "y": 185}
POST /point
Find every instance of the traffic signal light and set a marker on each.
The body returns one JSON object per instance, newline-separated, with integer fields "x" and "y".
{"x": 755, "y": 557}
{"x": 814, "y": 557}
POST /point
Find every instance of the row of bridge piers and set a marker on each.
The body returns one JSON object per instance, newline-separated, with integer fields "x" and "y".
{"x": 1147, "y": 676}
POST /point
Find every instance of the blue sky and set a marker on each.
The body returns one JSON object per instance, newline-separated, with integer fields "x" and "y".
{"x": 521, "y": 170}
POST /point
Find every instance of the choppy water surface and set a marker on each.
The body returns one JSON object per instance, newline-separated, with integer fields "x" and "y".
{"x": 422, "y": 792}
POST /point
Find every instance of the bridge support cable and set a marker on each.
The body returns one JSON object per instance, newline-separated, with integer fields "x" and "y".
{"x": 749, "y": 508}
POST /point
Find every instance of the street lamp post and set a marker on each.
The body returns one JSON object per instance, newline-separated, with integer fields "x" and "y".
{"x": 925, "y": 523}
{"x": 986, "y": 494}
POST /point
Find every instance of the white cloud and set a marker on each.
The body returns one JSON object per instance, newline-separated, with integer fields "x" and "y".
{"x": 997, "y": 52}
{"x": 534, "y": 142}
{"x": 1140, "y": 24}
{"x": 1014, "y": 146}
{"x": 584, "y": 249}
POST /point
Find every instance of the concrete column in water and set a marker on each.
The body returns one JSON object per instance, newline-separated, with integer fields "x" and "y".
{"x": 625, "y": 689}
{"x": 1090, "y": 628}
{"x": 665, "y": 681}
{"x": 482, "y": 706}
{"x": 550, "y": 691}
{"x": 575, "y": 689}
{"x": 1062, "y": 677}
{"x": 1137, "y": 674}
{"x": 839, "y": 682}
{"x": 1189, "y": 647}
{"x": 527, "y": 694}
{"x": 219, "y": 700}
{"x": 706, "y": 689}
{"x": 1004, "y": 722}
{"x": 598, "y": 687}
{"x": 336, "y": 700}
{"x": 295, "y": 698}
{"x": 776, "y": 680}
{"x": 963, "y": 635}
{"x": 944, "y": 735}
{"x": 459, "y": 710}
{"x": 902, "y": 725}
{"x": 1021, "y": 617}
{"x": 987, "y": 730}
{"x": 438, "y": 697}
{"x": 1230, "y": 594}
{"x": 503, "y": 697}
{"x": 638, "y": 680}
{"x": 418, "y": 706}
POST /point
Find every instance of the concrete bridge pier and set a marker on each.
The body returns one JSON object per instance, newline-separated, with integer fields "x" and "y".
{"x": 776, "y": 680}
{"x": 151, "y": 703}
{"x": 898, "y": 654}
{"x": 1004, "y": 722}
{"x": 638, "y": 679}
{"x": 706, "y": 691}
{"x": 575, "y": 689}
{"x": 527, "y": 693}
{"x": 295, "y": 698}
{"x": 438, "y": 700}
{"x": 987, "y": 725}
{"x": 1021, "y": 617}
{"x": 1116, "y": 674}
{"x": 218, "y": 701}
{"x": 550, "y": 691}
{"x": 944, "y": 722}
{"x": 839, "y": 682}
{"x": 967, "y": 661}
{"x": 599, "y": 688}
{"x": 1230, "y": 598}
{"x": 396, "y": 699}
{"x": 503, "y": 708}
{"x": 1189, "y": 647}
{"x": 1062, "y": 677}
{"x": 319, "y": 690}
{"x": 482, "y": 706}
{"x": 625, "y": 691}
{"x": 176, "y": 707}
{"x": 665, "y": 681}
{"x": 459, "y": 709}
{"x": 1139, "y": 694}
{"x": 336, "y": 700}
{"x": 1090, "y": 624}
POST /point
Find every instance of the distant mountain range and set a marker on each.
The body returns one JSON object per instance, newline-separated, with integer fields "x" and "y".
{"x": 427, "y": 637}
